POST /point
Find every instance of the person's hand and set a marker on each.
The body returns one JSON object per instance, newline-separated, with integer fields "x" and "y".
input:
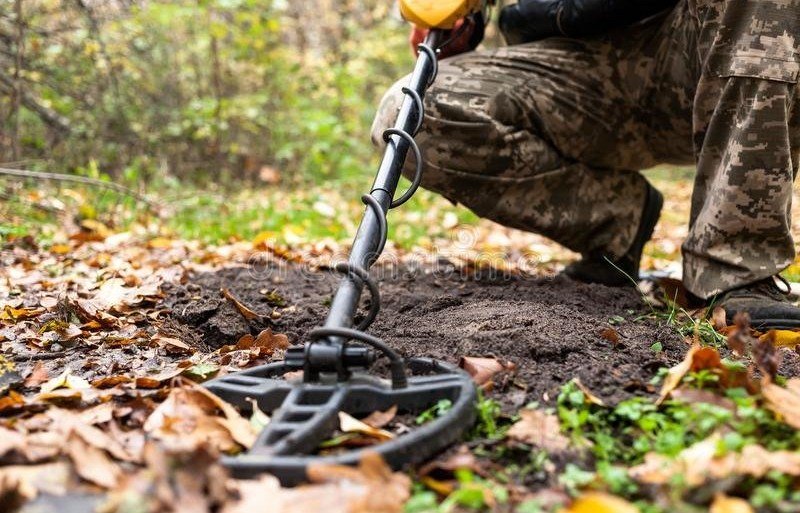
{"x": 468, "y": 37}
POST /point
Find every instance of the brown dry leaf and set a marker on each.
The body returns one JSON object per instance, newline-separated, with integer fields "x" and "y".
{"x": 349, "y": 424}
{"x": 383, "y": 490}
{"x": 11, "y": 400}
{"x": 379, "y": 419}
{"x": 461, "y": 459}
{"x": 92, "y": 464}
{"x": 173, "y": 345}
{"x": 157, "y": 380}
{"x": 483, "y": 370}
{"x": 785, "y": 402}
{"x": 246, "y": 312}
{"x": 269, "y": 342}
{"x": 675, "y": 291}
{"x": 540, "y": 429}
{"x": 700, "y": 463}
{"x": 611, "y": 335}
{"x": 766, "y": 357}
{"x": 693, "y": 396}
{"x": 588, "y": 395}
{"x": 697, "y": 358}
{"x": 190, "y": 417}
{"x": 30, "y": 480}
{"x": 38, "y": 375}
{"x": 370, "y": 488}
{"x": 719, "y": 320}
{"x": 724, "y": 504}
{"x": 89, "y": 313}
{"x": 597, "y": 502}
{"x": 676, "y": 374}
{"x": 111, "y": 381}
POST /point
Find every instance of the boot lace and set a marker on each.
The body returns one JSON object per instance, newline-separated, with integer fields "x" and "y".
{"x": 769, "y": 287}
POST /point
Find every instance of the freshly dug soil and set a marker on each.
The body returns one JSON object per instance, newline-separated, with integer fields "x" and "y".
{"x": 550, "y": 328}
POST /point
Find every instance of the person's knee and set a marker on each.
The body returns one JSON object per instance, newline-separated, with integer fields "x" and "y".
{"x": 387, "y": 111}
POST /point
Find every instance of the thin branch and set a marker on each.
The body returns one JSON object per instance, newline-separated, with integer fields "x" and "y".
{"x": 61, "y": 177}
{"x": 47, "y": 114}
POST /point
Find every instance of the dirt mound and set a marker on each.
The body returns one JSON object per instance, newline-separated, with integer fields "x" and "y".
{"x": 551, "y": 328}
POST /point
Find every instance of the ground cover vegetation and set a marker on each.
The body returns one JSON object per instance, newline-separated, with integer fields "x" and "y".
{"x": 221, "y": 147}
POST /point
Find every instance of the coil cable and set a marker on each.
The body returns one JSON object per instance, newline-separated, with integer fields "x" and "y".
{"x": 360, "y": 275}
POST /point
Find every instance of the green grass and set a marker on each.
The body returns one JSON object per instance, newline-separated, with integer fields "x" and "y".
{"x": 215, "y": 216}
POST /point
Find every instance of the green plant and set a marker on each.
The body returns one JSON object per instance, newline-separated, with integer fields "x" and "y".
{"x": 434, "y": 412}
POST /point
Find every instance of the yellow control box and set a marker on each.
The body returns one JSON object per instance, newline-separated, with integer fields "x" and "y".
{"x": 440, "y": 14}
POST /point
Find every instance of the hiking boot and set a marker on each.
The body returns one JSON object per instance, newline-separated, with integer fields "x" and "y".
{"x": 769, "y": 307}
{"x": 623, "y": 271}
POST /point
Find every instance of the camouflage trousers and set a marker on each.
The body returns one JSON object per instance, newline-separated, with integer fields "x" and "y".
{"x": 549, "y": 136}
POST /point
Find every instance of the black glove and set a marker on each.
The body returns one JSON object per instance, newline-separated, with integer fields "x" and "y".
{"x": 530, "y": 20}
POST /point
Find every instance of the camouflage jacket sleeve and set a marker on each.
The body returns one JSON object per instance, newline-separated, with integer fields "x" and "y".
{"x": 530, "y": 20}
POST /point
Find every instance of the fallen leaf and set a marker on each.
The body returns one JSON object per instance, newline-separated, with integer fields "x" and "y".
{"x": 701, "y": 463}
{"x": 379, "y": 419}
{"x": 38, "y": 375}
{"x": 697, "y": 358}
{"x": 246, "y": 312}
{"x": 65, "y": 380}
{"x": 270, "y": 341}
{"x": 201, "y": 371}
{"x": 349, "y": 424}
{"x": 785, "y": 402}
{"x": 483, "y": 370}
{"x": 782, "y": 338}
{"x": 766, "y": 357}
{"x": 694, "y": 396}
{"x": 596, "y": 502}
{"x": 540, "y": 429}
{"x": 384, "y": 490}
{"x": 444, "y": 468}
{"x": 676, "y": 374}
{"x": 11, "y": 400}
{"x": 611, "y": 335}
{"x": 173, "y": 345}
{"x": 19, "y": 314}
{"x": 30, "y": 480}
{"x": 111, "y": 381}
{"x": 92, "y": 464}
{"x": 724, "y": 504}
{"x": 189, "y": 417}
{"x": 719, "y": 320}
{"x": 587, "y": 394}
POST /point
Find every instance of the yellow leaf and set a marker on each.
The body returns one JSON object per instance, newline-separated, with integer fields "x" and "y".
{"x": 782, "y": 338}
{"x": 725, "y": 504}
{"x": 264, "y": 239}
{"x": 60, "y": 249}
{"x": 596, "y": 502}
{"x": 159, "y": 243}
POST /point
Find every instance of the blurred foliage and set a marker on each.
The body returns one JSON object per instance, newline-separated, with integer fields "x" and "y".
{"x": 219, "y": 89}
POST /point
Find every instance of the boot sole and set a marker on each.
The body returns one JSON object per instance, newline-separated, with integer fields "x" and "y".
{"x": 773, "y": 324}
